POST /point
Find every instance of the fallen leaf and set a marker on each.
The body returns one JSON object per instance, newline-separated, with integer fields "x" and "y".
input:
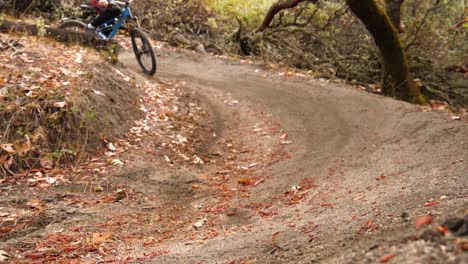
{"x": 4, "y": 256}
{"x": 462, "y": 245}
{"x": 79, "y": 58}
{"x": 98, "y": 92}
{"x": 430, "y": 203}
{"x": 35, "y": 255}
{"x": 442, "y": 230}
{"x": 257, "y": 182}
{"x": 22, "y": 149}
{"x": 423, "y": 221}
{"x": 199, "y": 223}
{"x": 111, "y": 147}
{"x": 245, "y": 181}
{"x": 8, "y": 148}
{"x": 3, "y": 159}
{"x": 46, "y": 163}
{"x": 60, "y": 104}
{"x": 116, "y": 162}
{"x": 197, "y": 160}
{"x": 8, "y": 163}
{"x": 387, "y": 258}
{"x": 4, "y": 214}
{"x": 273, "y": 237}
{"x": 35, "y": 204}
{"x": 97, "y": 238}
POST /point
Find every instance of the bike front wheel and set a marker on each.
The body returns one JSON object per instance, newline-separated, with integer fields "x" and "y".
{"x": 143, "y": 51}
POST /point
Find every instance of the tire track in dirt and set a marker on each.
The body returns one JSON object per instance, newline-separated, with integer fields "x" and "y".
{"x": 370, "y": 158}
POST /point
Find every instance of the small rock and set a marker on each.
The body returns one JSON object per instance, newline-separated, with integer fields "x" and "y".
{"x": 405, "y": 216}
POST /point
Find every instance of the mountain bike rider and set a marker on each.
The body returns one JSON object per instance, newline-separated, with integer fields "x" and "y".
{"x": 106, "y": 9}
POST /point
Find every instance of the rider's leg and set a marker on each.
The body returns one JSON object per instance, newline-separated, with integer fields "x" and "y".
{"x": 106, "y": 15}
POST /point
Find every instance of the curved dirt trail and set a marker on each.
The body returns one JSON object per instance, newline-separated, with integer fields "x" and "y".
{"x": 370, "y": 159}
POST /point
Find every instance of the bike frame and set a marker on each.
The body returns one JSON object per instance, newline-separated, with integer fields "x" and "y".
{"x": 126, "y": 13}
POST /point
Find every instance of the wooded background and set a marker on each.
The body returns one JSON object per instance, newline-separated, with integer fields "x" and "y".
{"x": 323, "y": 37}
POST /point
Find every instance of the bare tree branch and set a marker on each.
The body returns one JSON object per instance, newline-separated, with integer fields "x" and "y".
{"x": 277, "y": 7}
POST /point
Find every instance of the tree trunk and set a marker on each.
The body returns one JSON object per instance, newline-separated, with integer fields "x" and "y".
{"x": 397, "y": 80}
{"x": 393, "y": 8}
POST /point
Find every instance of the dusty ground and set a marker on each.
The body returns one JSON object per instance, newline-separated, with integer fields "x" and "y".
{"x": 252, "y": 166}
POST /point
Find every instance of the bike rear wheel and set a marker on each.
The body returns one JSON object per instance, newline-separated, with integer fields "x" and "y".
{"x": 73, "y": 25}
{"x": 143, "y": 51}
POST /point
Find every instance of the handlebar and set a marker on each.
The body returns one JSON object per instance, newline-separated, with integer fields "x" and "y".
{"x": 126, "y": 3}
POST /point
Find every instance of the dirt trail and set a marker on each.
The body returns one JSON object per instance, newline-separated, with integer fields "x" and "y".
{"x": 369, "y": 160}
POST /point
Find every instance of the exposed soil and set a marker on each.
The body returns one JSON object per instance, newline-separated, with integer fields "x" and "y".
{"x": 252, "y": 166}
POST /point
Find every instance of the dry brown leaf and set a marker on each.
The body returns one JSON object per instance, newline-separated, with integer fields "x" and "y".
{"x": 245, "y": 181}
{"x": 60, "y": 104}
{"x": 39, "y": 133}
{"x": 8, "y": 163}
{"x": 97, "y": 238}
{"x": 46, "y": 163}
{"x": 10, "y": 148}
{"x": 36, "y": 205}
{"x": 111, "y": 147}
{"x": 3, "y": 159}
{"x": 22, "y": 148}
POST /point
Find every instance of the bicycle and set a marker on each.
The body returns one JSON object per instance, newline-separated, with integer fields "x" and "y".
{"x": 141, "y": 45}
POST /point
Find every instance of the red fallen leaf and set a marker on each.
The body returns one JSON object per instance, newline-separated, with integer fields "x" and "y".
{"x": 211, "y": 233}
{"x": 442, "y": 230}
{"x": 150, "y": 242}
{"x": 147, "y": 256}
{"x": 369, "y": 224}
{"x": 273, "y": 237}
{"x": 245, "y": 181}
{"x": 387, "y": 258}
{"x": 295, "y": 199}
{"x": 267, "y": 214}
{"x": 431, "y": 203}
{"x": 307, "y": 183}
{"x": 70, "y": 248}
{"x": 35, "y": 255}
{"x": 423, "y": 221}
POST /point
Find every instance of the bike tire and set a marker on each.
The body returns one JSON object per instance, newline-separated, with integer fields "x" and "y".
{"x": 73, "y": 24}
{"x": 145, "y": 50}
